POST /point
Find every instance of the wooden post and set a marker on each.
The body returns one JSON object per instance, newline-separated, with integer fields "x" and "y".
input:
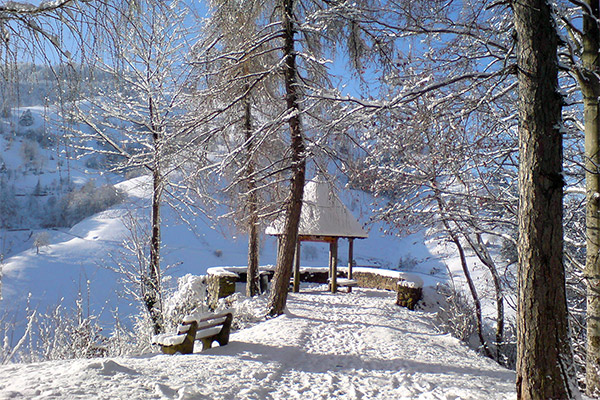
{"x": 350, "y": 256}
{"x": 350, "y": 260}
{"x": 334, "y": 256}
{"x": 330, "y": 279}
{"x": 296, "y": 285}
{"x": 278, "y": 245}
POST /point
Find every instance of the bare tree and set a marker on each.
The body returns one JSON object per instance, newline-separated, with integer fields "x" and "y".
{"x": 447, "y": 136}
{"x": 137, "y": 118}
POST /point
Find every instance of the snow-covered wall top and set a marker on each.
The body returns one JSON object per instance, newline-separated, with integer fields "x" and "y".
{"x": 407, "y": 279}
{"x": 323, "y": 214}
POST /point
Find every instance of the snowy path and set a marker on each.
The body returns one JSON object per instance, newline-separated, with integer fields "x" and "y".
{"x": 348, "y": 346}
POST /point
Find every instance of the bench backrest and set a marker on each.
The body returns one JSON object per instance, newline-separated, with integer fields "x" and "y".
{"x": 208, "y": 324}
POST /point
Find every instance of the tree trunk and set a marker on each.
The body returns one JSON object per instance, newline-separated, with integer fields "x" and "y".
{"x": 484, "y": 256}
{"x": 543, "y": 348}
{"x": 152, "y": 295}
{"x": 252, "y": 287}
{"x": 472, "y": 289}
{"x": 463, "y": 262}
{"x": 590, "y": 89}
{"x": 289, "y": 236}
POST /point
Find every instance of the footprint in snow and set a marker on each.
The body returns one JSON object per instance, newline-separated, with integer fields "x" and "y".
{"x": 109, "y": 368}
{"x": 167, "y": 392}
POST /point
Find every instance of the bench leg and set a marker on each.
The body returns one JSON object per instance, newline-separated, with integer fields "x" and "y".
{"x": 187, "y": 346}
{"x": 207, "y": 343}
{"x": 223, "y": 336}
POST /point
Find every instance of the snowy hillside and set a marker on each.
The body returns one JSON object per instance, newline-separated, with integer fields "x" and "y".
{"x": 346, "y": 346}
{"x": 68, "y": 263}
{"x": 83, "y": 253}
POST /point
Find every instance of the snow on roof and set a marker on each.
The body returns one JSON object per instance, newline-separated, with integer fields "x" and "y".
{"x": 323, "y": 214}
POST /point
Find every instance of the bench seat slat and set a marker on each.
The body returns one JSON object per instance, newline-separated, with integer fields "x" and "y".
{"x": 204, "y": 333}
{"x": 345, "y": 282}
{"x": 168, "y": 340}
{"x": 201, "y": 317}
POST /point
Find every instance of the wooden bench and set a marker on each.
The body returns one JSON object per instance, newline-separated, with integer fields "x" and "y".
{"x": 344, "y": 282}
{"x": 207, "y": 328}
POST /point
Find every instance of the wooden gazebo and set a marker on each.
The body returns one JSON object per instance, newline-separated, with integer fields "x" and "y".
{"x": 324, "y": 218}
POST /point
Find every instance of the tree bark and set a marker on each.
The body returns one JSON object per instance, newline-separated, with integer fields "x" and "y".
{"x": 590, "y": 88}
{"x": 543, "y": 348}
{"x": 289, "y": 236}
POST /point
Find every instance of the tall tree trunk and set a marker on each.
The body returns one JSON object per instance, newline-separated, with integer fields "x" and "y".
{"x": 543, "y": 348}
{"x": 152, "y": 296}
{"x": 588, "y": 80}
{"x": 289, "y": 236}
{"x": 153, "y": 292}
{"x": 252, "y": 287}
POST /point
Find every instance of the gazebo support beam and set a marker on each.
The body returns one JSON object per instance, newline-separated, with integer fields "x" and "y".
{"x": 350, "y": 260}
{"x": 333, "y": 248}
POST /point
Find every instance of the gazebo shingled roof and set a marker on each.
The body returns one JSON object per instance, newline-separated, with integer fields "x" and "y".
{"x": 322, "y": 215}
{"x": 323, "y": 218}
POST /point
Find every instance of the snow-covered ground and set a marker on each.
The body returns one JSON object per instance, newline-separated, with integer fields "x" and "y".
{"x": 327, "y": 346}
{"x": 356, "y": 345}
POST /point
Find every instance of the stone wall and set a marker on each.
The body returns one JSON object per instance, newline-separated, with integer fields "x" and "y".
{"x": 408, "y": 293}
{"x": 375, "y": 281}
{"x": 219, "y": 286}
{"x": 408, "y": 297}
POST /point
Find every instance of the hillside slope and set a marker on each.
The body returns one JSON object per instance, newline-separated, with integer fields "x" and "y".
{"x": 80, "y": 259}
{"x": 351, "y": 346}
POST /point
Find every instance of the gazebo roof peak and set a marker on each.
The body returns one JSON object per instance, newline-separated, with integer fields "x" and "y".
{"x": 323, "y": 214}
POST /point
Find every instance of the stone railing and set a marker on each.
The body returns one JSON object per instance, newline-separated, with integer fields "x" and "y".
{"x": 408, "y": 287}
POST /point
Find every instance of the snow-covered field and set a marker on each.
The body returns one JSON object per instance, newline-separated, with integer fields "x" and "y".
{"x": 357, "y": 345}
{"x": 345, "y": 346}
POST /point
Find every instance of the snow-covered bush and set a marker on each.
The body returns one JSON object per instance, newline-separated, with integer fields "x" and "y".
{"x": 40, "y": 136}
{"x": 9, "y": 351}
{"x": 189, "y": 297}
{"x": 61, "y": 334}
{"x": 135, "y": 341}
{"x": 81, "y": 203}
{"x": 30, "y": 151}
{"x": 456, "y": 315}
{"x": 8, "y": 205}
{"x": 407, "y": 263}
{"x": 247, "y": 311}
{"x": 26, "y": 118}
